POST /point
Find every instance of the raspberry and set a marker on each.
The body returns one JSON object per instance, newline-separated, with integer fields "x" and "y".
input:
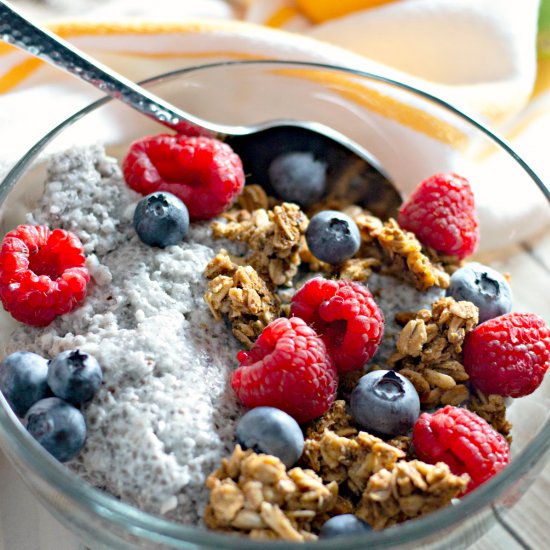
{"x": 288, "y": 368}
{"x": 42, "y": 273}
{"x": 203, "y": 172}
{"x": 441, "y": 213}
{"x": 508, "y": 355}
{"x": 346, "y": 317}
{"x": 464, "y": 441}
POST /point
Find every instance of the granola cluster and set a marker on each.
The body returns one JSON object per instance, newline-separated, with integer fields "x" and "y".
{"x": 384, "y": 483}
{"x": 350, "y": 460}
{"x": 238, "y": 292}
{"x": 274, "y": 238}
{"x": 387, "y": 248}
{"x": 429, "y": 351}
{"x": 254, "y": 494}
{"x": 408, "y": 490}
{"x": 253, "y": 197}
{"x": 342, "y": 469}
{"x": 491, "y": 408}
{"x": 336, "y": 419}
{"x": 400, "y": 252}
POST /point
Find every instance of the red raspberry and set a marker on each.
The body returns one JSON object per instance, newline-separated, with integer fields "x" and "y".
{"x": 42, "y": 273}
{"x": 441, "y": 213}
{"x": 287, "y": 367}
{"x": 508, "y": 355}
{"x": 346, "y": 317}
{"x": 203, "y": 172}
{"x": 463, "y": 440}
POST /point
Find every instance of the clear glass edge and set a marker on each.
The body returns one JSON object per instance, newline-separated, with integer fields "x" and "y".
{"x": 133, "y": 520}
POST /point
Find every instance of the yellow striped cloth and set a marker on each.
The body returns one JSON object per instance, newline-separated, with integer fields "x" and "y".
{"x": 477, "y": 54}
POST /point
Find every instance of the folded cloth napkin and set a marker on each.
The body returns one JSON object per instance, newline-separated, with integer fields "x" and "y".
{"x": 477, "y": 54}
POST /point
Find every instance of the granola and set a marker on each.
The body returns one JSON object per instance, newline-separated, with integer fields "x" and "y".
{"x": 400, "y": 251}
{"x": 337, "y": 419}
{"x": 252, "y": 197}
{"x": 353, "y": 269}
{"x": 491, "y": 408}
{"x": 342, "y": 469}
{"x": 242, "y": 295}
{"x": 349, "y": 460}
{"x": 403, "y": 443}
{"x": 408, "y": 490}
{"x": 429, "y": 351}
{"x": 254, "y": 494}
{"x": 273, "y": 236}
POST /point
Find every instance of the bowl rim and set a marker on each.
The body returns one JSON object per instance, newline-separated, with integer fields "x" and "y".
{"x": 135, "y": 521}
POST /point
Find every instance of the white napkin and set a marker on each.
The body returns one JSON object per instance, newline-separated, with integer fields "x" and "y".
{"x": 478, "y": 54}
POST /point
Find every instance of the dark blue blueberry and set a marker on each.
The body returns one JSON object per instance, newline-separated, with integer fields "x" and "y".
{"x": 344, "y": 524}
{"x": 332, "y": 236}
{"x": 385, "y": 403}
{"x": 75, "y": 376}
{"x": 298, "y": 177}
{"x": 23, "y": 380}
{"x": 58, "y": 426}
{"x": 161, "y": 219}
{"x": 483, "y": 286}
{"x": 271, "y": 431}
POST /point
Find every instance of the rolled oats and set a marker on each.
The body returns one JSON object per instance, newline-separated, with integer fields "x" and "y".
{"x": 252, "y": 197}
{"x": 349, "y": 459}
{"x": 336, "y": 419}
{"x": 429, "y": 351}
{"x": 274, "y": 237}
{"x": 400, "y": 252}
{"x": 242, "y": 295}
{"x": 492, "y": 408}
{"x": 408, "y": 490}
{"x": 255, "y": 495}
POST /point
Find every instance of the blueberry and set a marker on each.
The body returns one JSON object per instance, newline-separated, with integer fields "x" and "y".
{"x": 161, "y": 219}
{"x": 483, "y": 286}
{"x": 23, "y": 380}
{"x": 58, "y": 426}
{"x": 332, "y": 236}
{"x": 271, "y": 431}
{"x": 298, "y": 177}
{"x": 75, "y": 376}
{"x": 385, "y": 403}
{"x": 344, "y": 524}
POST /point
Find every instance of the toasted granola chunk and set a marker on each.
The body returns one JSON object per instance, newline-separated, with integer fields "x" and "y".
{"x": 273, "y": 236}
{"x": 357, "y": 269}
{"x": 239, "y": 293}
{"x": 429, "y": 351}
{"x": 403, "y": 443}
{"x": 491, "y": 408}
{"x": 252, "y": 197}
{"x": 401, "y": 252}
{"x": 254, "y": 494}
{"x": 408, "y": 490}
{"x": 350, "y": 460}
{"x": 336, "y": 419}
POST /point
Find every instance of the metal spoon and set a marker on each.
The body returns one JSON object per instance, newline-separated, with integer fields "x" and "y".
{"x": 352, "y": 172}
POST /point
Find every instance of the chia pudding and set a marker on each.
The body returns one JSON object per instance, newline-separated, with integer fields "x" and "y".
{"x": 165, "y": 414}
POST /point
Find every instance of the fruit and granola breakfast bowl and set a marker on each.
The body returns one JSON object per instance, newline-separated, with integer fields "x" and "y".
{"x": 218, "y": 363}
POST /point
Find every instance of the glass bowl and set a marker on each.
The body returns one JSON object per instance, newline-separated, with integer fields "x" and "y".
{"x": 413, "y": 135}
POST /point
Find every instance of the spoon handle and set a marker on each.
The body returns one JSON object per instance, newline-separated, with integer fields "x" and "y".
{"x": 15, "y": 29}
